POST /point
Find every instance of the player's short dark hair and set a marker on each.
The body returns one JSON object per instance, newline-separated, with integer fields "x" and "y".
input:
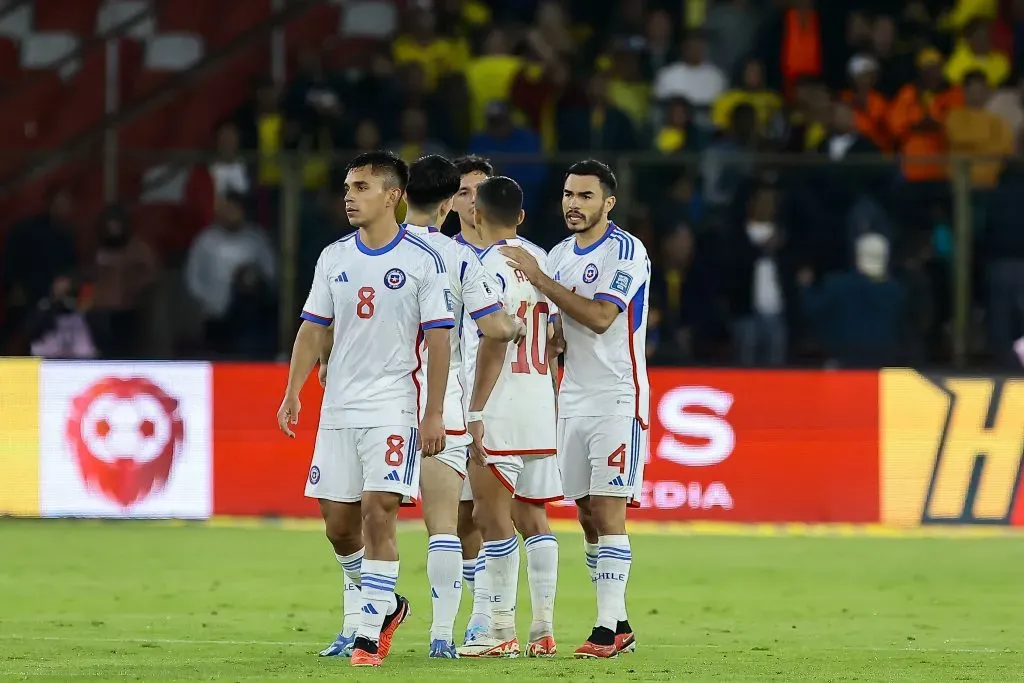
{"x": 501, "y": 199}
{"x": 599, "y": 170}
{"x": 471, "y": 163}
{"x": 432, "y": 180}
{"x": 394, "y": 170}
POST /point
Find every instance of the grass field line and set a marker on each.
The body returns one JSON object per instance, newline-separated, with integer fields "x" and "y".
{"x": 653, "y": 646}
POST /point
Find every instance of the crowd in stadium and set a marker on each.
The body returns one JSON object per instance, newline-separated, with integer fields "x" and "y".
{"x": 775, "y": 192}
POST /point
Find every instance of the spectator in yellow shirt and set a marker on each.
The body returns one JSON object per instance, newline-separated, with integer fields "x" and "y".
{"x": 753, "y": 91}
{"x": 975, "y": 53}
{"x": 438, "y": 55}
{"x": 973, "y": 130}
{"x": 490, "y": 76}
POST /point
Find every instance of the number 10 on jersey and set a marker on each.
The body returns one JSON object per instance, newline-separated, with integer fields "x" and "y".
{"x": 536, "y": 339}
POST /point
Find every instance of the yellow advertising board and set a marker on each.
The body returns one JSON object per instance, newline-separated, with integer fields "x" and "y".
{"x": 19, "y": 436}
{"x": 951, "y": 448}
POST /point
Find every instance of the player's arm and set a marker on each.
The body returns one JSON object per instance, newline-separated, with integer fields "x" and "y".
{"x": 596, "y": 314}
{"x": 490, "y": 357}
{"x": 313, "y": 334}
{"x": 439, "y": 351}
{"x": 436, "y": 319}
{"x": 480, "y": 294}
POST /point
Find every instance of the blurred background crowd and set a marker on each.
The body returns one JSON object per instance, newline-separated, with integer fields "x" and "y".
{"x": 818, "y": 182}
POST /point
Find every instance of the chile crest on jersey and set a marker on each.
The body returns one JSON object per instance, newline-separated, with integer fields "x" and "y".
{"x": 394, "y": 278}
{"x": 590, "y": 273}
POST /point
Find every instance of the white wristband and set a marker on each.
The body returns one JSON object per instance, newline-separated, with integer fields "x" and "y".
{"x": 475, "y": 416}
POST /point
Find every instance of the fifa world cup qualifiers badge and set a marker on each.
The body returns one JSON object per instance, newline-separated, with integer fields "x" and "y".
{"x": 621, "y": 282}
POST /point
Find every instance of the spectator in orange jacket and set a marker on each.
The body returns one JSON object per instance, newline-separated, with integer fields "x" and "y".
{"x": 917, "y": 119}
{"x": 870, "y": 108}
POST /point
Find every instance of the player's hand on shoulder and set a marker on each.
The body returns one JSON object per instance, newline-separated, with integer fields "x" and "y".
{"x": 476, "y": 449}
{"x": 432, "y": 434}
{"x": 288, "y": 414}
{"x": 523, "y": 260}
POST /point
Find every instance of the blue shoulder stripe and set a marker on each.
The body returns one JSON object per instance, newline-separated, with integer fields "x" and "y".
{"x": 625, "y": 243}
{"x": 438, "y": 261}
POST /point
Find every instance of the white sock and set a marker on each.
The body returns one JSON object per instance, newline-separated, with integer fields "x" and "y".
{"x": 503, "y": 575}
{"x": 378, "y": 589}
{"x": 468, "y": 574}
{"x": 481, "y": 593}
{"x": 613, "y": 561}
{"x": 590, "y": 550}
{"x": 444, "y": 559}
{"x": 352, "y": 601}
{"x": 542, "y": 573}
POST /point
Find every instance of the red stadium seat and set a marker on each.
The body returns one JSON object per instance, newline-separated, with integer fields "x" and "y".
{"x": 10, "y": 62}
{"x": 73, "y": 16}
{"x": 314, "y": 28}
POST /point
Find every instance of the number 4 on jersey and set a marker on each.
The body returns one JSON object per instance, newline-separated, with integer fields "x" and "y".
{"x": 534, "y": 333}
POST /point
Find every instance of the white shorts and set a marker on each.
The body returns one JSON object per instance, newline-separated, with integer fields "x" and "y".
{"x": 467, "y": 492}
{"x": 602, "y": 456}
{"x": 347, "y": 462}
{"x": 531, "y": 480}
{"x": 456, "y": 454}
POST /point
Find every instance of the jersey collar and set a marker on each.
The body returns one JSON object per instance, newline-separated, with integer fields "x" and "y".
{"x": 580, "y": 252}
{"x": 383, "y": 250}
{"x": 462, "y": 240}
{"x": 419, "y": 229}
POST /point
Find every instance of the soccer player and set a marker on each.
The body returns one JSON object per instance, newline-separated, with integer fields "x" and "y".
{"x": 473, "y": 170}
{"x": 383, "y": 288}
{"x": 512, "y": 418}
{"x": 600, "y": 286}
{"x": 433, "y": 182}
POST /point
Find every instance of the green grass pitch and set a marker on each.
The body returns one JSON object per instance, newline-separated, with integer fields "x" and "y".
{"x": 165, "y": 602}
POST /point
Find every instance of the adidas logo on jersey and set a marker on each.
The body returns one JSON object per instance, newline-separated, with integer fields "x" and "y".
{"x": 343, "y": 277}
{"x": 433, "y": 592}
{"x": 617, "y": 481}
{"x": 393, "y": 476}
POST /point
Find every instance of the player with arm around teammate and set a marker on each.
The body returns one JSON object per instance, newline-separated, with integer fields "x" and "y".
{"x": 382, "y": 288}
{"x": 473, "y": 170}
{"x": 512, "y": 418}
{"x": 600, "y": 285}
{"x": 433, "y": 182}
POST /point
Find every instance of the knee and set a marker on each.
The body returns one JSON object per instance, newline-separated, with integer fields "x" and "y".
{"x": 530, "y": 520}
{"x": 378, "y": 520}
{"x": 466, "y": 526}
{"x": 345, "y": 539}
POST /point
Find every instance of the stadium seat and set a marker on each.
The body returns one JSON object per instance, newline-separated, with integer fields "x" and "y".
{"x": 376, "y": 19}
{"x": 173, "y": 52}
{"x": 82, "y": 101}
{"x": 192, "y": 16}
{"x": 43, "y": 50}
{"x": 235, "y": 17}
{"x": 77, "y": 17}
{"x": 114, "y": 13}
{"x": 10, "y": 61}
{"x": 314, "y": 28}
{"x": 18, "y": 23}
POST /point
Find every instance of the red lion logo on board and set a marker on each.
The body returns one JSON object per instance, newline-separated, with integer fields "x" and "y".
{"x": 125, "y": 434}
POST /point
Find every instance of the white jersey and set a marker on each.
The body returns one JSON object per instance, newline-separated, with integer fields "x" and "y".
{"x": 606, "y": 374}
{"x": 470, "y": 338}
{"x": 379, "y": 301}
{"x": 474, "y": 294}
{"x": 521, "y": 407}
